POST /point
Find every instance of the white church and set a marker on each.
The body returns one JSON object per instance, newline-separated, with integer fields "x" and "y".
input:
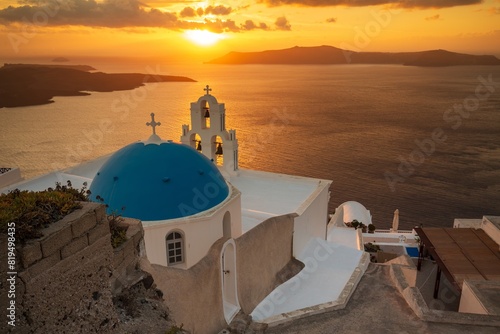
{"x": 219, "y": 239}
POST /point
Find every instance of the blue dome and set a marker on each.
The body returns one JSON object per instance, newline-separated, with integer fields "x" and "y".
{"x": 151, "y": 181}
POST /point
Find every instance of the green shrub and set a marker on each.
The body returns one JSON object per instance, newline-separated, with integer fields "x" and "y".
{"x": 371, "y": 228}
{"x": 118, "y": 231}
{"x": 32, "y": 211}
{"x": 357, "y": 224}
{"x": 372, "y": 248}
{"x": 176, "y": 330}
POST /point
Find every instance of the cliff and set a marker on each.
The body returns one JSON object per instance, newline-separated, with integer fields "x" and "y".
{"x": 71, "y": 280}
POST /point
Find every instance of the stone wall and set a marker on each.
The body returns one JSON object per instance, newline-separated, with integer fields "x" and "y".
{"x": 261, "y": 254}
{"x": 64, "y": 278}
{"x": 126, "y": 257}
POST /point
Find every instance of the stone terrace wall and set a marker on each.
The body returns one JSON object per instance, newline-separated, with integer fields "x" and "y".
{"x": 63, "y": 283}
{"x": 126, "y": 257}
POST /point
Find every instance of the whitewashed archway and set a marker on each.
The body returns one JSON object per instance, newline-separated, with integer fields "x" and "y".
{"x": 231, "y": 305}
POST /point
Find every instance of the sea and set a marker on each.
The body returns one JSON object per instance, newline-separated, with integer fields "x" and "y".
{"x": 425, "y": 141}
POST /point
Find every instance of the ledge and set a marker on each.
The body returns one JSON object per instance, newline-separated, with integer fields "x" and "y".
{"x": 338, "y": 304}
{"x": 63, "y": 238}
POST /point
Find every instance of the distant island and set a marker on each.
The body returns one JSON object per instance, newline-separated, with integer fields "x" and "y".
{"x": 32, "y": 84}
{"x": 85, "y": 68}
{"x": 60, "y": 60}
{"x": 332, "y": 55}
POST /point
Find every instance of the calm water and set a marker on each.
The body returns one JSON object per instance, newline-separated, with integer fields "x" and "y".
{"x": 350, "y": 124}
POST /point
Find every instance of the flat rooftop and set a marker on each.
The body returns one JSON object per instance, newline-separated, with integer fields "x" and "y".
{"x": 463, "y": 253}
{"x": 265, "y": 195}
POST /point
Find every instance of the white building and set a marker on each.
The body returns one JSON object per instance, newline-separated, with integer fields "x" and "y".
{"x": 190, "y": 203}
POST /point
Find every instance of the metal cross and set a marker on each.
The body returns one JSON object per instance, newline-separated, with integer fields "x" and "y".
{"x": 207, "y": 89}
{"x": 153, "y": 124}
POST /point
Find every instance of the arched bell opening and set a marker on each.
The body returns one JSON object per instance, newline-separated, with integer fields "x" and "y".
{"x": 205, "y": 114}
{"x": 195, "y": 142}
{"x": 217, "y": 150}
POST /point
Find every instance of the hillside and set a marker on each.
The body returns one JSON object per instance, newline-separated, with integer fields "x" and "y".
{"x": 332, "y": 55}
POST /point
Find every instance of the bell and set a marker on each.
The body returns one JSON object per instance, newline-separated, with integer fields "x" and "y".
{"x": 207, "y": 113}
{"x": 199, "y": 146}
{"x": 219, "y": 149}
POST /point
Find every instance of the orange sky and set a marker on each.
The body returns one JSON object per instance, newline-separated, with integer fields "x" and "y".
{"x": 158, "y": 28}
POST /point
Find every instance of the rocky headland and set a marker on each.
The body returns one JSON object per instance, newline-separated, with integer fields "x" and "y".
{"x": 31, "y": 84}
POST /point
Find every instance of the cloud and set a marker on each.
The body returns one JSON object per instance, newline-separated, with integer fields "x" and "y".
{"x": 130, "y": 14}
{"x": 214, "y": 10}
{"x": 360, "y": 3}
{"x": 187, "y": 12}
{"x": 218, "y": 10}
{"x": 220, "y": 26}
{"x": 331, "y": 20}
{"x": 282, "y": 23}
{"x": 110, "y": 13}
{"x": 250, "y": 25}
{"x": 433, "y": 18}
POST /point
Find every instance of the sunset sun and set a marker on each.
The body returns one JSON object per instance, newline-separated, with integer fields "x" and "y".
{"x": 203, "y": 37}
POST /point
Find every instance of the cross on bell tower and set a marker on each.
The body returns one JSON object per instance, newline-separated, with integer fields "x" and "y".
{"x": 153, "y": 123}
{"x": 207, "y": 89}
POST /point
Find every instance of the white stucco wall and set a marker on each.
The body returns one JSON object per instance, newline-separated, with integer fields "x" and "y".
{"x": 348, "y": 211}
{"x": 490, "y": 227}
{"x": 467, "y": 223}
{"x": 312, "y": 218}
{"x": 235, "y": 210}
{"x": 200, "y": 232}
{"x": 469, "y": 302}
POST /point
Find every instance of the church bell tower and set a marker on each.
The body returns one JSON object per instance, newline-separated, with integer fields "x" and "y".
{"x": 208, "y": 132}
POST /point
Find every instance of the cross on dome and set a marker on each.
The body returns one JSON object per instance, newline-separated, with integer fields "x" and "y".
{"x": 207, "y": 89}
{"x": 153, "y": 124}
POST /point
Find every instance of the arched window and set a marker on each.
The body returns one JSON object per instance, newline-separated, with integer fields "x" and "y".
{"x": 175, "y": 248}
